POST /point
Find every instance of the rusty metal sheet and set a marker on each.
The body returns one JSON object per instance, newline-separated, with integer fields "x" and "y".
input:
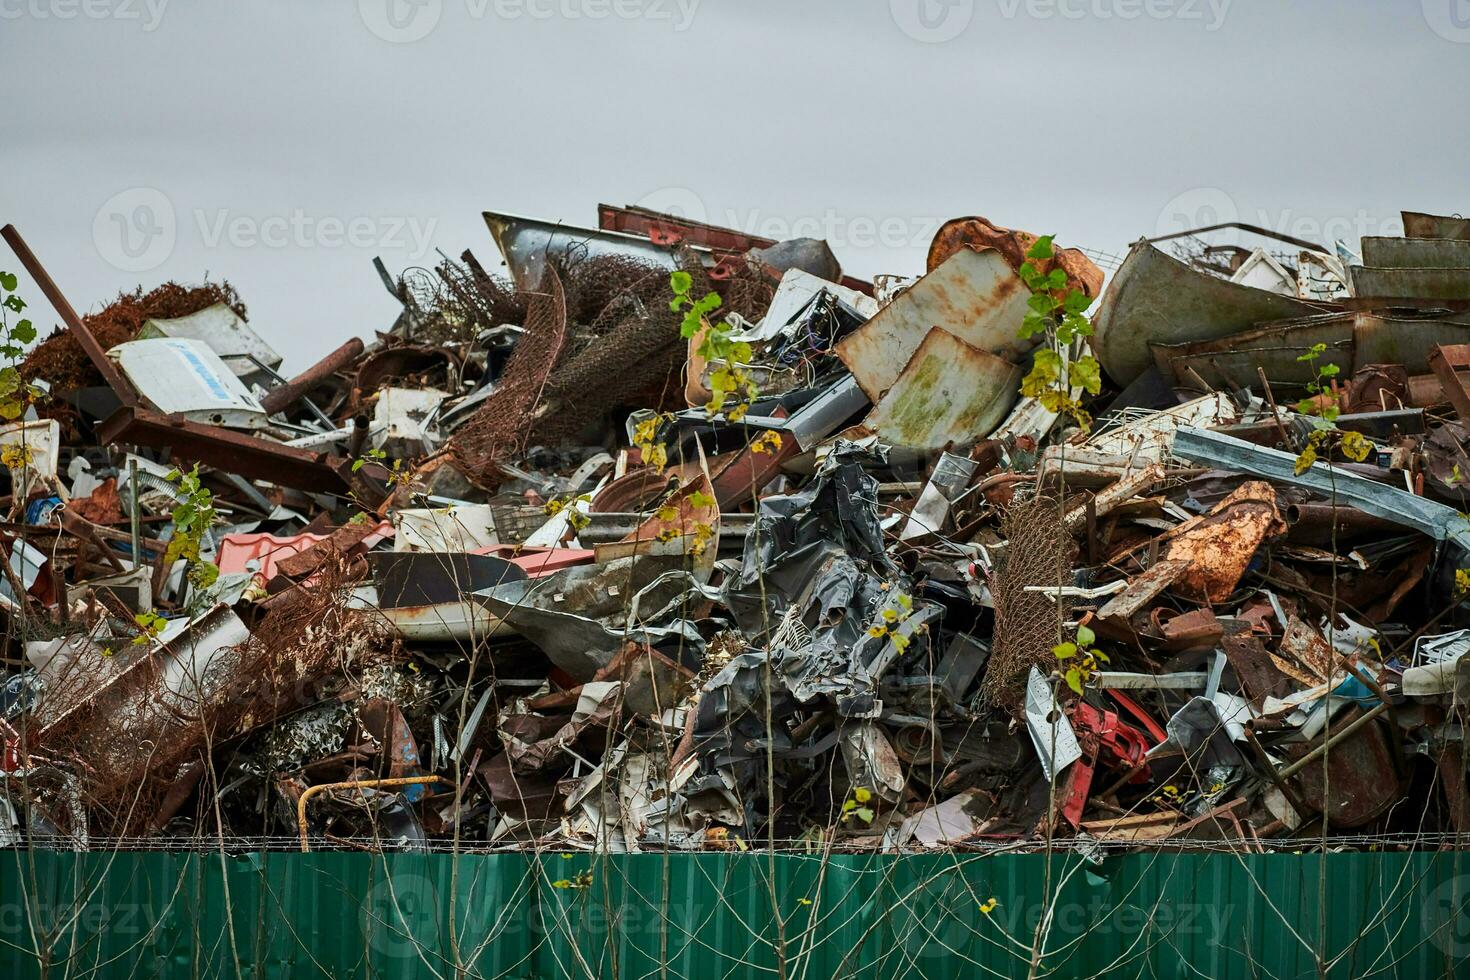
{"x": 1155, "y": 299}
{"x": 1420, "y": 225}
{"x": 1142, "y": 590}
{"x": 1406, "y": 340}
{"x": 1361, "y": 782}
{"x": 1217, "y": 547}
{"x": 975, "y": 296}
{"x": 1415, "y": 253}
{"x": 1305, "y": 656}
{"x": 976, "y": 232}
{"x": 948, "y": 394}
{"x": 1410, "y": 283}
{"x": 1232, "y": 362}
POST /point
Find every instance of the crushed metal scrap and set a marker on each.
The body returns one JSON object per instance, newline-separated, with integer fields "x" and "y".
{"x": 503, "y": 575}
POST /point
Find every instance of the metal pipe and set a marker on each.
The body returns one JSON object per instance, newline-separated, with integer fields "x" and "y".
{"x": 1321, "y": 750}
{"x": 358, "y": 438}
{"x": 137, "y": 534}
{"x": 1313, "y": 515}
{"x": 311, "y": 791}
{"x": 280, "y": 398}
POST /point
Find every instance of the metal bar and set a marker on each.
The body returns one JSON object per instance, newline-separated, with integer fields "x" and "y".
{"x": 1336, "y": 738}
{"x": 1378, "y": 499}
{"x": 311, "y": 791}
{"x": 281, "y": 398}
{"x": 250, "y": 457}
{"x": 1241, "y": 225}
{"x": 74, "y": 324}
{"x": 137, "y": 534}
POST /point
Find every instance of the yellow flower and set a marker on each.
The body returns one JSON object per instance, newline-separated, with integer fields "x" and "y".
{"x": 804, "y": 901}
{"x": 876, "y": 631}
{"x": 988, "y": 906}
{"x": 890, "y": 615}
{"x": 862, "y": 794}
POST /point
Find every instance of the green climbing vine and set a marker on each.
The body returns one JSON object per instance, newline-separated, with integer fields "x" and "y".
{"x": 15, "y": 394}
{"x": 1057, "y": 312}
{"x": 730, "y": 381}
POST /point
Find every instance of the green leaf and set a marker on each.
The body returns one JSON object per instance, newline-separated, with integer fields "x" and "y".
{"x": 1085, "y": 636}
{"x": 15, "y": 302}
{"x": 1085, "y": 373}
{"x": 1076, "y": 302}
{"x": 1329, "y": 370}
{"x": 1032, "y": 323}
{"x": 1064, "y": 651}
{"x": 11, "y": 409}
{"x": 1041, "y": 248}
{"x": 1057, "y": 279}
{"x": 680, "y": 281}
{"x": 23, "y": 332}
{"x": 9, "y": 281}
{"x": 1074, "y": 679}
{"x": 864, "y": 813}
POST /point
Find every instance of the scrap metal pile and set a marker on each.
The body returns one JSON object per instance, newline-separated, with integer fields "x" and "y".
{"x": 543, "y": 564}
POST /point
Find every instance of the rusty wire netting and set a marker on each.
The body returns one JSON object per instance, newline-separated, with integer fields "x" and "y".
{"x": 144, "y": 728}
{"x": 502, "y": 426}
{"x": 454, "y": 301}
{"x": 1039, "y": 552}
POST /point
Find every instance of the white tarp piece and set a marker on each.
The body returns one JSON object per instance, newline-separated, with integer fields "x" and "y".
{"x": 187, "y": 377}
{"x": 459, "y": 527}
{"x": 227, "y": 335}
{"x": 398, "y": 420}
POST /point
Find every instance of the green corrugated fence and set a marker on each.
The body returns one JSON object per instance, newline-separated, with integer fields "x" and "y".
{"x": 714, "y": 915}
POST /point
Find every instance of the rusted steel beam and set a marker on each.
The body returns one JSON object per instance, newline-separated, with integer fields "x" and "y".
{"x": 1447, "y": 361}
{"x": 234, "y": 452}
{"x": 74, "y": 324}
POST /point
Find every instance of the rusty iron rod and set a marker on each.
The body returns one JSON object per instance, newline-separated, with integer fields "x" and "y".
{"x": 280, "y": 398}
{"x": 1336, "y": 738}
{"x": 74, "y": 324}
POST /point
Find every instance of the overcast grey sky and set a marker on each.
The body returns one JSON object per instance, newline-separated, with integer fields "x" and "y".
{"x": 284, "y": 144}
